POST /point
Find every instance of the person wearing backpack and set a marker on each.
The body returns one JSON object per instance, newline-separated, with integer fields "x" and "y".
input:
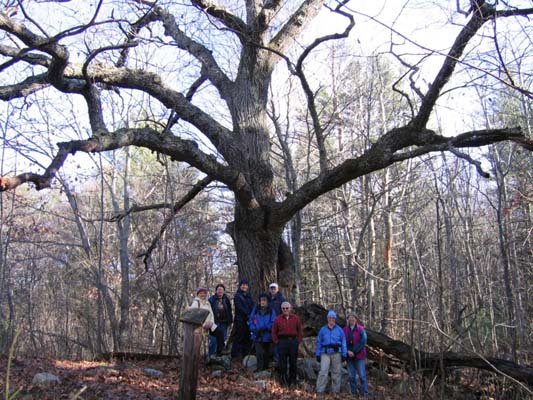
{"x": 356, "y": 339}
{"x": 260, "y": 323}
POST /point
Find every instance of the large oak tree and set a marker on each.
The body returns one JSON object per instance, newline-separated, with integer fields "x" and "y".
{"x": 37, "y": 57}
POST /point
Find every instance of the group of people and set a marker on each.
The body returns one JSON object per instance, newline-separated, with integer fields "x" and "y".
{"x": 335, "y": 345}
{"x": 275, "y": 332}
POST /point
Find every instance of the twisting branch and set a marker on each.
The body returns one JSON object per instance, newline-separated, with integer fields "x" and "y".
{"x": 294, "y": 26}
{"x": 93, "y": 54}
{"x": 388, "y": 150}
{"x": 174, "y": 118}
{"x": 210, "y": 66}
{"x": 197, "y": 188}
{"x": 447, "y": 69}
{"x": 135, "y": 28}
{"x": 317, "y": 126}
{"x": 28, "y": 86}
{"x": 176, "y": 148}
{"x": 17, "y": 55}
{"x": 470, "y": 160}
{"x": 231, "y": 21}
{"x": 40, "y": 181}
{"x": 450, "y": 62}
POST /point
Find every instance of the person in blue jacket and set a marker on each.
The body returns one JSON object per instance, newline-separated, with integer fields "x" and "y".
{"x": 331, "y": 350}
{"x": 260, "y": 323}
{"x": 240, "y": 334}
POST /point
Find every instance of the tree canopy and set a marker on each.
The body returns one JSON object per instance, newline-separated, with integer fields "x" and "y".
{"x": 203, "y": 72}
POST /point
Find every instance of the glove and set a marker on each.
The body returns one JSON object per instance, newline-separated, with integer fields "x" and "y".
{"x": 318, "y": 358}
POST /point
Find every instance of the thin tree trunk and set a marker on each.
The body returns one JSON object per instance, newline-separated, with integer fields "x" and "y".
{"x": 504, "y": 256}
{"x": 386, "y": 317}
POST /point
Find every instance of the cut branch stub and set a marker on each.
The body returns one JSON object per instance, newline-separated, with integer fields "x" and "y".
{"x": 194, "y": 316}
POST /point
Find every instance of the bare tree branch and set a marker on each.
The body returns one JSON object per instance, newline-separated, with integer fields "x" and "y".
{"x": 210, "y": 66}
{"x": 28, "y": 86}
{"x": 383, "y": 153}
{"x": 178, "y": 150}
{"x": 197, "y": 188}
{"x": 447, "y": 69}
{"x": 234, "y": 23}
{"x": 294, "y": 26}
{"x": 317, "y": 126}
{"x": 17, "y": 55}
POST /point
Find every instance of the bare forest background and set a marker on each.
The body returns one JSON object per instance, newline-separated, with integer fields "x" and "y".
{"x": 431, "y": 250}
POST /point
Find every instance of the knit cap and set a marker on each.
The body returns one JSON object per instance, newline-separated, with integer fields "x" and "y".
{"x": 331, "y": 314}
{"x": 201, "y": 289}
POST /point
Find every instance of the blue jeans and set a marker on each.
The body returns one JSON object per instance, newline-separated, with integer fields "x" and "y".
{"x": 357, "y": 367}
{"x": 213, "y": 340}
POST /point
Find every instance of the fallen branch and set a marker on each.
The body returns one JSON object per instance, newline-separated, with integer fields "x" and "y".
{"x": 313, "y": 317}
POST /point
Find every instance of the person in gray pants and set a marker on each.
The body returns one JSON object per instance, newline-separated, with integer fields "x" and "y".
{"x": 331, "y": 350}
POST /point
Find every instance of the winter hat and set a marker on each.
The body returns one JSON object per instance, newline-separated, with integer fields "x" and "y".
{"x": 331, "y": 314}
{"x": 352, "y": 314}
{"x": 263, "y": 296}
{"x": 244, "y": 282}
{"x": 273, "y": 285}
{"x": 201, "y": 289}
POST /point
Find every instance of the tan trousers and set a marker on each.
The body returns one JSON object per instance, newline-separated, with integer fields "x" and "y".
{"x": 327, "y": 361}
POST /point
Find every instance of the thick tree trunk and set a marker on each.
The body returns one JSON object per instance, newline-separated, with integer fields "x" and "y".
{"x": 257, "y": 248}
{"x": 261, "y": 253}
{"x": 313, "y": 317}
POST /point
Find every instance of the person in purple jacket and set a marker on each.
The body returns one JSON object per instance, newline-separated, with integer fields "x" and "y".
{"x": 356, "y": 341}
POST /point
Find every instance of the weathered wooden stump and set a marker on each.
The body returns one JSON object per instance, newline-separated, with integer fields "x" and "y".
{"x": 192, "y": 320}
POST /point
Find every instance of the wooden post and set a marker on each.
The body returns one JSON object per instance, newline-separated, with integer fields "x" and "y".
{"x": 193, "y": 320}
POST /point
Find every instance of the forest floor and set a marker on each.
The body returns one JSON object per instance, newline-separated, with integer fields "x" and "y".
{"x": 92, "y": 380}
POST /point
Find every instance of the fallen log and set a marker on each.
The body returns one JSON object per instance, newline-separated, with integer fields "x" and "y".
{"x": 313, "y": 317}
{"x": 130, "y": 356}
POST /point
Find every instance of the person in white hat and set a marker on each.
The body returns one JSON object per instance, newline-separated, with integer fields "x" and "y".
{"x": 275, "y": 299}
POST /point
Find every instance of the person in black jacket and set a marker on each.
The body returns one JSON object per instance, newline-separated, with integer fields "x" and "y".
{"x": 240, "y": 335}
{"x": 275, "y": 297}
{"x": 221, "y": 306}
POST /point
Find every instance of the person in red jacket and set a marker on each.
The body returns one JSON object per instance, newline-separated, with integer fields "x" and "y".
{"x": 287, "y": 334}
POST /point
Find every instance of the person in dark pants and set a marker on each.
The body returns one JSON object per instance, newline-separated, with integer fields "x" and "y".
{"x": 240, "y": 335}
{"x": 200, "y": 301}
{"x": 260, "y": 323}
{"x": 221, "y": 306}
{"x": 287, "y": 334}
{"x": 276, "y": 298}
